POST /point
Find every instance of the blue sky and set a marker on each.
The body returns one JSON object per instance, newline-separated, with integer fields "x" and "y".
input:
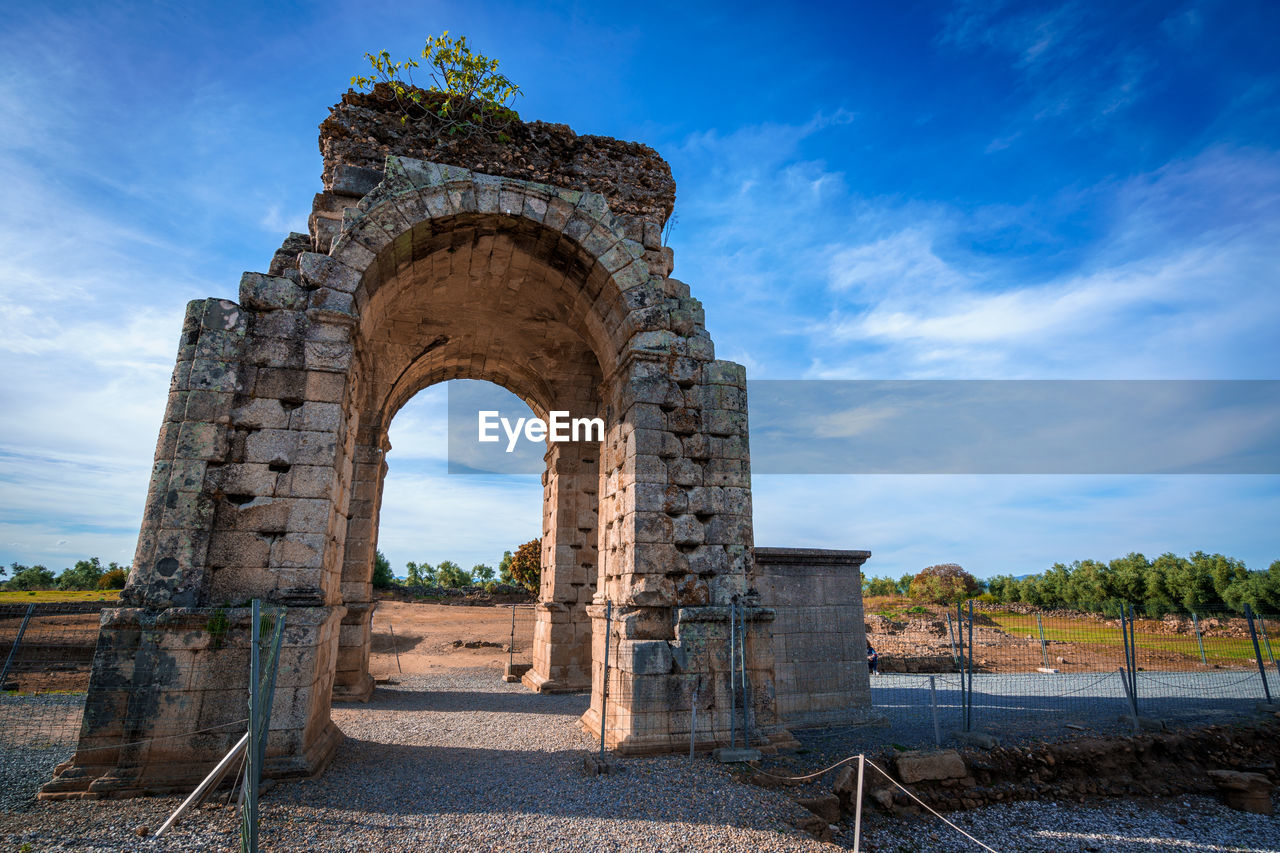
{"x": 866, "y": 191}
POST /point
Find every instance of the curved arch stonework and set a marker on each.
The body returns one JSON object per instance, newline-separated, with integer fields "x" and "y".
{"x": 271, "y": 457}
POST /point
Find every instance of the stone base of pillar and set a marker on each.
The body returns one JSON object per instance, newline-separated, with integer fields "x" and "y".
{"x": 654, "y": 686}
{"x": 561, "y": 649}
{"x": 352, "y": 681}
{"x": 168, "y": 697}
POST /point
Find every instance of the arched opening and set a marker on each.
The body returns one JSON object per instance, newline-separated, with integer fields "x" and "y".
{"x": 499, "y": 299}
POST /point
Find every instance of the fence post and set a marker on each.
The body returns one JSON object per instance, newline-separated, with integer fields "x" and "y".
{"x": 1131, "y": 656}
{"x": 4, "y": 674}
{"x": 1133, "y": 702}
{"x": 964, "y": 702}
{"x": 253, "y": 770}
{"x": 857, "y": 809}
{"x": 395, "y": 646}
{"x": 693, "y": 721}
{"x": 968, "y": 716}
{"x": 1195, "y": 621}
{"x": 1044, "y": 649}
{"x": 1257, "y": 653}
{"x": 604, "y": 690}
{"x": 1266, "y": 640}
{"x": 733, "y": 678}
{"x": 742, "y": 669}
{"x": 511, "y": 647}
{"x": 951, "y": 635}
{"x": 933, "y": 701}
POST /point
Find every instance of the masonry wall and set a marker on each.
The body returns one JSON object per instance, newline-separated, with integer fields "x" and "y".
{"x": 819, "y": 639}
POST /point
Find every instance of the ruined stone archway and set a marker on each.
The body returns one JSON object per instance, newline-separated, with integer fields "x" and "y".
{"x": 270, "y": 462}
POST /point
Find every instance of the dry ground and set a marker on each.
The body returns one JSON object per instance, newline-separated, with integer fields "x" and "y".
{"x": 432, "y": 637}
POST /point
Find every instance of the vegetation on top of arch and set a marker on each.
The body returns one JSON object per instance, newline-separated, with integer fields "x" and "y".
{"x": 466, "y": 96}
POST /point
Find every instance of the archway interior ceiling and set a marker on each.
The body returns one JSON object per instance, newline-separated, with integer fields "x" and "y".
{"x": 479, "y": 299}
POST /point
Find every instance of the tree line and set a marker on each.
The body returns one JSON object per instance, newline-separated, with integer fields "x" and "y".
{"x": 523, "y": 569}
{"x": 84, "y": 575}
{"x": 1199, "y": 583}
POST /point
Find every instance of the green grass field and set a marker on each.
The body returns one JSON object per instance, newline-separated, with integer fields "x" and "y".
{"x": 1098, "y": 634}
{"x": 57, "y": 595}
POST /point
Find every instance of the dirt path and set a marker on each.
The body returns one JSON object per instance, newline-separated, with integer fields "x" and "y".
{"x": 432, "y": 637}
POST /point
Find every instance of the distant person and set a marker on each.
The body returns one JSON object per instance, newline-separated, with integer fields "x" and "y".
{"x": 873, "y": 659}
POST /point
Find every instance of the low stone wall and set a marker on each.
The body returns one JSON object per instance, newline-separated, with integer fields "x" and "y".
{"x": 819, "y": 638}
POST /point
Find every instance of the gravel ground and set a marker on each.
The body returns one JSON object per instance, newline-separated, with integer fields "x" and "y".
{"x": 1114, "y": 826}
{"x": 456, "y": 761}
{"x": 460, "y": 761}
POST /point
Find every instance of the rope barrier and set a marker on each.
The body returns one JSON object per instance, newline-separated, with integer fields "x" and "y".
{"x": 877, "y": 768}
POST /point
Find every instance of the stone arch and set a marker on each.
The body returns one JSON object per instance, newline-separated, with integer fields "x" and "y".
{"x": 271, "y": 457}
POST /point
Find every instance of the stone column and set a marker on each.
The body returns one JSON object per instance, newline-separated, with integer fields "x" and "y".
{"x": 562, "y": 630}
{"x": 676, "y": 549}
{"x": 352, "y": 681}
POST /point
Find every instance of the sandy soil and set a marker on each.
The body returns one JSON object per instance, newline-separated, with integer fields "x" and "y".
{"x": 431, "y": 637}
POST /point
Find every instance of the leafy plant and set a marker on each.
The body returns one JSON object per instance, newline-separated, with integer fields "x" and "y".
{"x": 526, "y": 565}
{"x": 383, "y": 577}
{"x": 466, "y": 94}
{"x": 217, "y": 626}
{"x": 113, "y": 578}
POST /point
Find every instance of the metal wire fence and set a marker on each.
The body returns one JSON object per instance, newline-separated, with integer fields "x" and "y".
{"x": 48, "y": 653}
{"x": 1020, "y": 675}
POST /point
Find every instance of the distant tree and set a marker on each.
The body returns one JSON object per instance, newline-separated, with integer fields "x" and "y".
{"x": 879, "y": 587}
{"x": 31, "y": 577}
{"x": 526, "y": 565}
{"x": 452, "y": 576}
{"x": 504, "y": 569}
{"x": 83, "y": 575}
{"x": 383, "y": 577}
{"x": 480, "y": 573}
{"x": 945, "y": 583}
{"x": 115, "y": 577}
{"x": 904, "y": 585}
{"x": 1128, "y": 578}
{"x": 1003, "y": 588}
{"x": 420, "y": 574}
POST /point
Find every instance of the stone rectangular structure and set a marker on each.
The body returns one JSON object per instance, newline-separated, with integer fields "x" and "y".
{"x": 819, "y": 637}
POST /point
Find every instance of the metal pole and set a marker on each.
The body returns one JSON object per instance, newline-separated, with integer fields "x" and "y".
{"x": 395, "y": 646}
{"x": 857, "y": 809}
{"x": 732, "y": 678}
{"x": 1195, "y": 622}
{"x": 249, "y": 827}
{"x": 4, "y": 674}
{"x": 511, "y": 647}
{"x": 968, "y": 716}
{"x": 933, "y": 700}
{"x": 693, "y": 722}
{"x": 1133, "y": 650}
{"x": 1044, "y": 649}
{"x": 604, "y": 691}
{"x": 742, "y": 671}
{"x": 951, "y": 635}
{"x": 960, "y": 658}
{"x": 210, "y": 781}
{"x": 1257, "y": 653}
{"x": 1133, "y": 702}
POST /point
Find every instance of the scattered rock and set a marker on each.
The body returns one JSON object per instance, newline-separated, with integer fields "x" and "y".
{"x": 1247, "y": 792}
{"x": 931, "y": 766}
{"x": 142, "y": 830}
{"x": 826, "y": 807}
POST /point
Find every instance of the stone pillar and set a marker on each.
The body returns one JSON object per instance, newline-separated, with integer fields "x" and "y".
{"x": 352, "y": 681}
{"x": 819, "y": 637}
{"x": 562, "y": 631}
{"x": 248, "y": 499}
{"x": 676, "y": 550}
